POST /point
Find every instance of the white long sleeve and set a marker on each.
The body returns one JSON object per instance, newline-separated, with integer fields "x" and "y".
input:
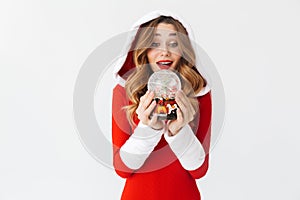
{"x": 139, "y": 146}
{"x": 187, "y": 148}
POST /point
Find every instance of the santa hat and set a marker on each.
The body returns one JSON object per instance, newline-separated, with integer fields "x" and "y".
{"x": 125, "y": 62}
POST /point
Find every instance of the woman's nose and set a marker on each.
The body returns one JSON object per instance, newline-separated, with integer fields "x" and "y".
{"x": 165, "y": 50}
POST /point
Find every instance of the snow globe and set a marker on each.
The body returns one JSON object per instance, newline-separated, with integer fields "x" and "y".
{"x": 164, "y": 84}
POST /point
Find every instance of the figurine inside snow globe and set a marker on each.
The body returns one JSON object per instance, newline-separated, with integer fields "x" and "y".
{"x": 165, "y": 84}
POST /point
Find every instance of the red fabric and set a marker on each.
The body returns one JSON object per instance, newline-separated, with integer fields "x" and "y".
{"x": 127, "y": 66}
{"x": 161, "y": 176}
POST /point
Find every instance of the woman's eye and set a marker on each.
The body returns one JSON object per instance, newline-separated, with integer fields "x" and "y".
{"x": 173, "y": 44}
{"x": 155, "y": 44}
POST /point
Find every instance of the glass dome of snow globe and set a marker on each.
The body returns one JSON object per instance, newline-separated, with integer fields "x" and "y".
{"x": 164, "y": 83}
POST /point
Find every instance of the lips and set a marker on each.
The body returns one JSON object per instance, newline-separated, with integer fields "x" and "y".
{"x": 164, "y": 64}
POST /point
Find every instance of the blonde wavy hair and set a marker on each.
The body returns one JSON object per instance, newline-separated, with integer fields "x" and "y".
{"x": 136, "y": 83}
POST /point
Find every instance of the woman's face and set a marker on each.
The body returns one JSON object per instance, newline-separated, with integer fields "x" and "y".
{"x": 164, "y": 52}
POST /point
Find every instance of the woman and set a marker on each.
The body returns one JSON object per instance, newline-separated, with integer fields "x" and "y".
{"x": 160, "y": 159}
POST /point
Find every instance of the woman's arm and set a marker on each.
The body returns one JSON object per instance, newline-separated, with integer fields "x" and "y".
{"x": 191, "y": 144}
{"x": 130, "y": 147}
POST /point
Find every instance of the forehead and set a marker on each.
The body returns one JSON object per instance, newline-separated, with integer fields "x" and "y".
{"x": 164, "y": 29}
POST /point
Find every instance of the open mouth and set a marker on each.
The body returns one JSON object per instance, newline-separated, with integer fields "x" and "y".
{"x": 164, "y": 64}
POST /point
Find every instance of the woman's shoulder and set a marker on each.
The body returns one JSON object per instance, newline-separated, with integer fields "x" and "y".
{"x": 205, "y": 91}
{"x": 119, "y": 89}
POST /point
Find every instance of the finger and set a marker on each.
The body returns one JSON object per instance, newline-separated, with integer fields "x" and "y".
{"x": 156, "y": 123}
{"x": 148, "y": 100}
{"x": 154, "y": 119}
{"x": 137, "y": 111}
{"x": 180, "y": 97}
{"x": 150, "y": 109}
{"x": 186, "y": 100}
{"x": 181, "y": 104}
{"x": 185, "y": 103}
{"x": 179, "y": 115}
{"x": 142, "y": 99}
{"x": 140, "y": 109}
{"x": 185, "y": 113}
{"x": 191, "y": 109}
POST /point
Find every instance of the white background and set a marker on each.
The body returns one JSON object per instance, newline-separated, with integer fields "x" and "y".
{"x": 254, "y": 45}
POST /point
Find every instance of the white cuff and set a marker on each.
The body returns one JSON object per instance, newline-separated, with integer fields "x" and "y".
{"x": 187, "y": 148}
{"x": 139, "y": 146}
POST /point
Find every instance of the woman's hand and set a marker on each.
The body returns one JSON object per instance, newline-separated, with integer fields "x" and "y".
{"x": 185, "y": 113}
{"x": 144, "y": 110}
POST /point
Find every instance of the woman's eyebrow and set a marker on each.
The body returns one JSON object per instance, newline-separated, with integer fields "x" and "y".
{"x": 170, "y": 34}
